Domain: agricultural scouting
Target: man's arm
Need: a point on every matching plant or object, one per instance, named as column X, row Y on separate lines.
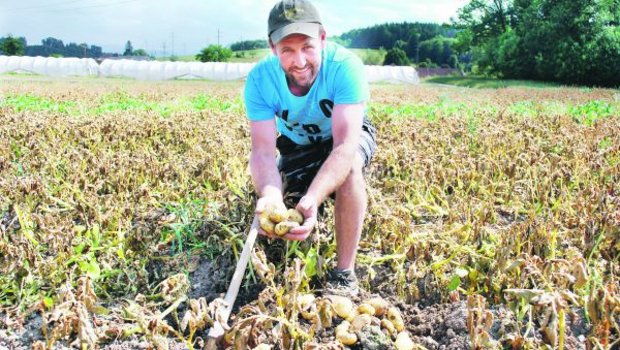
column 267, row 180
column 347, row 120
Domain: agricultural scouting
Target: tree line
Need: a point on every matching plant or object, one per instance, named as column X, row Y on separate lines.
column 53, row 47
column 424, row 44
column 566, row 41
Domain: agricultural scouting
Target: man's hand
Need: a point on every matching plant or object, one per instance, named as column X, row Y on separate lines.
column 308, row 207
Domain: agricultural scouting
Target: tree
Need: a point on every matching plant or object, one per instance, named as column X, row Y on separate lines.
column 568, row 41
column 486, row 19
column 11, row 46
column 396, row 56
column 214, row 53
column 128, row 49
column 53, row 44
column 140, row 52
column 249, row 45
column 437, row 50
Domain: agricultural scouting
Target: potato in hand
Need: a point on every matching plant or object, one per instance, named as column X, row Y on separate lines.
column 277, row 220
column 283, row 227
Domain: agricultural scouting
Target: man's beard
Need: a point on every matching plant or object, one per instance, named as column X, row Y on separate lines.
column 304, row 84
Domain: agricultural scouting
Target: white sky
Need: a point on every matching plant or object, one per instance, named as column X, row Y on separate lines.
column 186, row 26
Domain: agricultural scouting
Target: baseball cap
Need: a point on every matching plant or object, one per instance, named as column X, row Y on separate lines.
column 293, row 17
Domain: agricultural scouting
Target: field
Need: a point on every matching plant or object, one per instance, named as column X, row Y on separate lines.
column 493, row 222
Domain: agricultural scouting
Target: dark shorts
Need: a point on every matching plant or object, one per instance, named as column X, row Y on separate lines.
column 299, row 164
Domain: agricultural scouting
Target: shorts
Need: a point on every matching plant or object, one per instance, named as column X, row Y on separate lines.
column 299, row 164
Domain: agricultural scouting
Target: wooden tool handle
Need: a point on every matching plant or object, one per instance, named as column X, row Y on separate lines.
column 217, row 331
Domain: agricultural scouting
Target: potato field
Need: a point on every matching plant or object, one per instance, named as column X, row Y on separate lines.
column 493, row 222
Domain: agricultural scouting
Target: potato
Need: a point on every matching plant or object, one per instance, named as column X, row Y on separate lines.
column 266, row 225
column 403, row 342
column 294, row 215
column 366, row 309
column 277, row 214
column 344, row 335
column 343, row 306
column 379, row 304
column 283, row 227
column 389, row 327
column 304, row 301
column 359, row 322
column 394, row 316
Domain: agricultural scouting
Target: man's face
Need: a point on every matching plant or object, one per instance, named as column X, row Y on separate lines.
column 300, row 58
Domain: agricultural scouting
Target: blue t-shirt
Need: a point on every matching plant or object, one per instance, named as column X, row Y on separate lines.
column 306, row 119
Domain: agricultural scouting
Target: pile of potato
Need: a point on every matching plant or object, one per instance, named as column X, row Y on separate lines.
column 374, row 310
column 278, row 220
column 356, row 318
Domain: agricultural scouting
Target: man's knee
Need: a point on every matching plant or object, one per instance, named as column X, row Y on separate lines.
column 355, row 178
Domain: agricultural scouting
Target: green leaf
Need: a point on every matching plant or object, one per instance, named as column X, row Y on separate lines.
column 454, row 283
column 311, row 262
column 79, row 248
column 48, row 302
column 91, row 268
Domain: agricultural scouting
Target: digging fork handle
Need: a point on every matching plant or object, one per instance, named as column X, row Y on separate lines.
column 217, row 331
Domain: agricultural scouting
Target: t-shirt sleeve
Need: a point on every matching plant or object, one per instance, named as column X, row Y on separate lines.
column 351, row 83
column 256, row 107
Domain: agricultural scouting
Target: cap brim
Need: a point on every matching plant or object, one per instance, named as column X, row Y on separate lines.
column 308, row 29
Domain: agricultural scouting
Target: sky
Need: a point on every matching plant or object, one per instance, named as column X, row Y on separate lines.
column 183, row 27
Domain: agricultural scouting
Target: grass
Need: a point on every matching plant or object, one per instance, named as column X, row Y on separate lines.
column 488, row 83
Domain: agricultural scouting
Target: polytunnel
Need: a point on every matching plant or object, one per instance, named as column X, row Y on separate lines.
column 155, row 70
column 51, row 66
column 394, row 74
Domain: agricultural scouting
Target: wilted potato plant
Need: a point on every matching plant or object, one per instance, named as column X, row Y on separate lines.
column 110, row 193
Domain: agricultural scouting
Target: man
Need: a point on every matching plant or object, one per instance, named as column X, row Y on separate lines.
column 307, row 100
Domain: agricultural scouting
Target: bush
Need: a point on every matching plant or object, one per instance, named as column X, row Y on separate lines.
column 396, row 56
column 214, row 53
column 372, row 57
column 11, row 46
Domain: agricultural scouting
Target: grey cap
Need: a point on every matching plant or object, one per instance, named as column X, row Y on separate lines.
column 293, row 17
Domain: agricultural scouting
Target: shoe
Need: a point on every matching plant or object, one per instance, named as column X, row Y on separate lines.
column 341, row 282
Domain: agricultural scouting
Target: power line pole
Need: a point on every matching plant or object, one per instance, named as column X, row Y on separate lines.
column 164, row 45
column 172, row 48
column 218, row 36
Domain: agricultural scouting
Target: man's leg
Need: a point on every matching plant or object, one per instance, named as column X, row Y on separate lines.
column 350, row 209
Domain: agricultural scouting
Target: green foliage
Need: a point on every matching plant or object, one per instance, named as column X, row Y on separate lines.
column 340, row 41
column 386, row 35
column 52, row 47
column 396, row 56
column 485, row 19
column 488, row 83
column 249, row 45
column 370, row 56
column 453, row 61
column 140, row 52
column 11, row 46
column 437, row 50
column 214, row 53
column 405, row 36
column 128, row 49
column 572, row 42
